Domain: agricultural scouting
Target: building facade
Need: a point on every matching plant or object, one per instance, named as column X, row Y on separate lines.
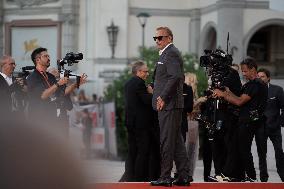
column 255, row 27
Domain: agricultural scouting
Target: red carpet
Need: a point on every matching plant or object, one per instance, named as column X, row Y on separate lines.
column 192, row 186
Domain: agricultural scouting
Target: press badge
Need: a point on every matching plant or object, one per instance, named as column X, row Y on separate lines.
column 58, row 112
column 52, row 99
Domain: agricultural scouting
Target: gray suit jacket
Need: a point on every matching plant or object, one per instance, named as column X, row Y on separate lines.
column 169, row 79
column 275, row 103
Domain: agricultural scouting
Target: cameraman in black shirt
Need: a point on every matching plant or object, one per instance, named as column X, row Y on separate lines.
column 44, row 89
column 252, row 103
column 224, row 137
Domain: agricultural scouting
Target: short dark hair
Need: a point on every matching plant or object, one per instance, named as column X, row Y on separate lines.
column 137, row 66
column 266, row 71
column 36, row 52
column 249, row 62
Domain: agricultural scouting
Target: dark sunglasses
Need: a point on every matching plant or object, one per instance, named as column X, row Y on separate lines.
column 159, row 38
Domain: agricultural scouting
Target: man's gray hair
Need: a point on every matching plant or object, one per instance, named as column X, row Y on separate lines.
column 136, row 66
column 3, row 59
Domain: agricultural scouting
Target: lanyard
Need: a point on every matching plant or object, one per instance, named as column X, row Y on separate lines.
column 45, row 78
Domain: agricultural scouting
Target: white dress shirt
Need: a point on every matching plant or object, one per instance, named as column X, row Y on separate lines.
column 7, row 78
column 161, row 51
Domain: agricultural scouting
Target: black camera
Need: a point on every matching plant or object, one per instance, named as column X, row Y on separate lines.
column 24, row 73
column 217, row 58
column 217, row 63
column 70, row 58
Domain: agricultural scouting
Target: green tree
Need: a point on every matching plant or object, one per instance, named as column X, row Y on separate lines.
column 115, row 90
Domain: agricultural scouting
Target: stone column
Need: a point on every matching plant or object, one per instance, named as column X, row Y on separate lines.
column 194, row 31
column 69, row 19
column 230, row 19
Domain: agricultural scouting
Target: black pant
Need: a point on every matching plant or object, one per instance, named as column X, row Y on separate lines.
column 206, row 150
column 276, row 139
column 232, row 163
column 261, row 144
column 219, row 151
column 155, row 157
column 245, row 138
column 136, row 165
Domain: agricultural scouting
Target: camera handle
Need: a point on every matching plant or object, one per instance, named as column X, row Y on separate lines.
column 78, row 78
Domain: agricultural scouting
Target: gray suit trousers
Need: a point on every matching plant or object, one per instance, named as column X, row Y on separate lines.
column 172, row 145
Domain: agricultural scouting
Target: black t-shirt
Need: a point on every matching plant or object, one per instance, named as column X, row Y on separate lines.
column 37, row 106
column 231, row 80
column 257, row 90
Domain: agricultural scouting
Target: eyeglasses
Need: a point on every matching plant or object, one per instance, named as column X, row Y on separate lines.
column 159, row 37
column 45, row 55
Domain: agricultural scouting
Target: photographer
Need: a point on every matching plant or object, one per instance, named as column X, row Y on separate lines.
column 10, row 87
column 220, row 117
column 44, row 90
column 252, row 103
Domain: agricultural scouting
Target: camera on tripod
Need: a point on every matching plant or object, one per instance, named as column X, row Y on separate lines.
column 69, row 59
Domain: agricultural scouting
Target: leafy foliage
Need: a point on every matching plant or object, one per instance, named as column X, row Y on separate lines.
column 115, row 90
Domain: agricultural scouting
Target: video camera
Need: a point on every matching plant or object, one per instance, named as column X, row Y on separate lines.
column 217, row 63
column 218, row 67
column 25, row 73
column 69, row 59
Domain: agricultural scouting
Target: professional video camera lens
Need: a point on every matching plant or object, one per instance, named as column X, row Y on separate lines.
column 73, row 56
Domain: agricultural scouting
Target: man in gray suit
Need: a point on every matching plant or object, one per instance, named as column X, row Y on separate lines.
column 274, row 113
column 168, row 101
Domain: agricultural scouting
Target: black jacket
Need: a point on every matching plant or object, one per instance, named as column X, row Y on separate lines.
column 138, row 109
column 37, row 106
column 275, row 103
column 188, row 106
column 5, row 96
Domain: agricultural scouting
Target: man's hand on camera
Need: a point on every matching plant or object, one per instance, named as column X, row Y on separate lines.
column 83, row 79
column 20, row 81
column 218, row 93
column 63, row 81
column 201, row 100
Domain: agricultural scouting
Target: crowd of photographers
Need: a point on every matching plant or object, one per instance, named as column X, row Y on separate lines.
column 234, row 114
column 38, row 96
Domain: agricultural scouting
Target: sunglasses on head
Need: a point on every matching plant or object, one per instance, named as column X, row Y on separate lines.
column 159, row 38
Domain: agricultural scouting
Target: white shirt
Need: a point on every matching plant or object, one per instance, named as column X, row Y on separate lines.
column 7, row 78
column 161, row 51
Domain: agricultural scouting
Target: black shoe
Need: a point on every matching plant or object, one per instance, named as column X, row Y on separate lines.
column 190, row 179
column 162, row 182
column 248, row 179
column 263, row 179
column 181, row 182
column 175, row 176
column 206, row 179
